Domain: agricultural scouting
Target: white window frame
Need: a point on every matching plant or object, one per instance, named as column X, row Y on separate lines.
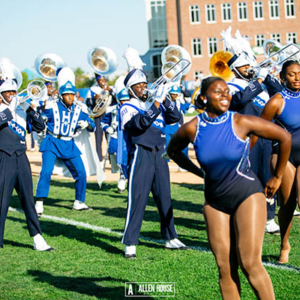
column 238, row 11
column 294, row 34
column 258, row 37
column 193, row 9
column 291, row 3
column 211, row 7
column 257, row 5
column 197, row 75
column 197, row 42
column 274, row 3
column 276, row 37
column 223, row 8
column 213, row 41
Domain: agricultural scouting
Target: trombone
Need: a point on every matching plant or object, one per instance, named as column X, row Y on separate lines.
column 172, row 73
column 35, row 90
column 275, row 60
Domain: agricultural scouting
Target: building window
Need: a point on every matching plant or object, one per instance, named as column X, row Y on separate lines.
column 258, row 10
column 198, row 75
column 196, row 46
column 259, row 40
column 276, row 37
column 194, row 14
column 226, row 12
column 212, row 45
column 157, row 25
column 274, row 9
column 210, row 13
column 292, row 37
column 290, row 8
column 242, row 11
column 156, row 65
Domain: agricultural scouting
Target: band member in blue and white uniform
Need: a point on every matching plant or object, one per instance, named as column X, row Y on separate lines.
column 174, row 93
column 249, row 95
column 110, row 124
column 144, row 121
column 234, row 208
column 15, row 169
column 64, row 118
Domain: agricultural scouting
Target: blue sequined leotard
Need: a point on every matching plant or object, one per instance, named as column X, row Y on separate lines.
column 224, row 158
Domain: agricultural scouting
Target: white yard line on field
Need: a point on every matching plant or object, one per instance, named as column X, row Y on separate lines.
column 118, row 233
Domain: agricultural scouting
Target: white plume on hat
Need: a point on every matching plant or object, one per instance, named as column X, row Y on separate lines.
column 8, row 76
column 66, row 81
column 133, row 59
column 240, row 47
column 65, row 74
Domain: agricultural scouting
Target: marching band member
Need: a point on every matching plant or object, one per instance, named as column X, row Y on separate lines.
column 143, row 120
column 249, row 96
column 91, row 101
column 234, row 208
column 64, row 118
column 15, row 168
column 110, row 124
column 174, row 93
column 284, row 109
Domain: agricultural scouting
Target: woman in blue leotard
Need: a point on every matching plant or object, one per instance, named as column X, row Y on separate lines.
column 235, row 208
column 284, row 108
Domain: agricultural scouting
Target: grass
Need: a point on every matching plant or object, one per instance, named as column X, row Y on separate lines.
column 88, row 264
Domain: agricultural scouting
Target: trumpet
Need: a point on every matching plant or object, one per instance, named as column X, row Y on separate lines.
column 35, row 90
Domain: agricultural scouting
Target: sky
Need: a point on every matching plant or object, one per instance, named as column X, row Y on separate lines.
column 70, row 28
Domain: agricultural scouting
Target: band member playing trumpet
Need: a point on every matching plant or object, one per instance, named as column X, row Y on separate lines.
column 64, row 118
column 249, row 95
column 15, row 168
column 143, row 121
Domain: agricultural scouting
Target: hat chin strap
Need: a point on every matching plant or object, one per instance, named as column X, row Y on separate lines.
column 3, row 100
column 133, row 94
column 240, row 75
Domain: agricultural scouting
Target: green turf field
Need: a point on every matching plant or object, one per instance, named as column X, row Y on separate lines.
column 88, row 263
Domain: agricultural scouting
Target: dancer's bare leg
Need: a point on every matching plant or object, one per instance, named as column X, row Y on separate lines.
column 249, row 220
column 221, row 236
column 287, row 198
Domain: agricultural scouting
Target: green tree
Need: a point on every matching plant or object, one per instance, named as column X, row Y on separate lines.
column 25, row 81
column 82, row 79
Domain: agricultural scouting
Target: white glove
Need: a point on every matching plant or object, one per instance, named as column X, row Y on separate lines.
column 162, row 92
column 25, row 105
column 83, row 124
column 13, row 104
column 191, row 110
column 263, row 73
column 110, row 130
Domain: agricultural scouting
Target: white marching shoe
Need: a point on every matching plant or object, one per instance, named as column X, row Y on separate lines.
column 121, row 184
column 130, row 251
column 40, row 244
column 175, row 244
column 39, row 207
column 79, row 205
column 296, row 213
column 272, row 227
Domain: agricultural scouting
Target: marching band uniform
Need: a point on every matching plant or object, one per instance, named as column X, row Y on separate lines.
column 172, row 128
column 144, row 125
column 15, row 169
column 249, row 97
column 91, row 102
column 62, row 123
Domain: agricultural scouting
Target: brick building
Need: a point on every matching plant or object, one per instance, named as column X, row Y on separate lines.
column 196, row 25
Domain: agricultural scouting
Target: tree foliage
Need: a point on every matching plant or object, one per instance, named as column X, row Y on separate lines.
column 82, row 80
